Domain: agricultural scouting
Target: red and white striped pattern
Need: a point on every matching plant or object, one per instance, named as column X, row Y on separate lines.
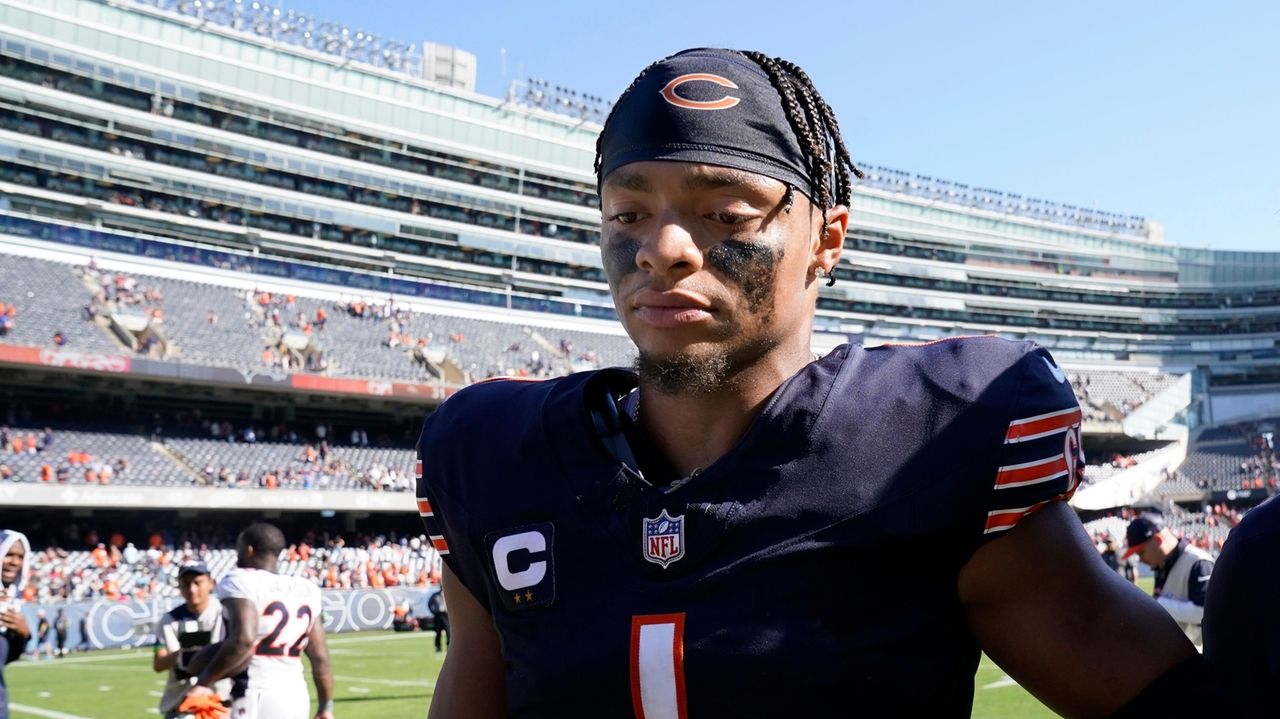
column 1063, row 461
column 999, row 520
column 1028, row 473
column 1042, row 425
column 438, row 541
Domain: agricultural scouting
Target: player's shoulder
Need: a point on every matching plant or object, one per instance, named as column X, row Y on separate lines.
column 511, row 395
column 969, row 354
column 237, row 583
column 497, row 411
column 985, row 368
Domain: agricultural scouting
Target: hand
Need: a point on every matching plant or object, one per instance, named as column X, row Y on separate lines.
column 200, row 691
column 15, row 622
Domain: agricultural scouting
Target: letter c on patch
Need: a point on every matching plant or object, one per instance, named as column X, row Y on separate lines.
column 530, row 542
column 669, row 92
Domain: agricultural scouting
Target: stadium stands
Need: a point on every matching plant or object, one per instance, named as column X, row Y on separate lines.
column 118, row 570
column 217, row 325
column 1095, row 473
column 47, row 298
column 85, row 457
column 1232, row 457
column 290, row 466
column 40, row 454
column 1109, row 395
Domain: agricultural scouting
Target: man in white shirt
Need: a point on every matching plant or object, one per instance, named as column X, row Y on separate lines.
column 1182, row 571
column 270, row 621
column 183, row 632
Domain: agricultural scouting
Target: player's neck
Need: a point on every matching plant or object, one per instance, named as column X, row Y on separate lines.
column 693, row 430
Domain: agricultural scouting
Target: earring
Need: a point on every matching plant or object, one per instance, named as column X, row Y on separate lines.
column 823, row 272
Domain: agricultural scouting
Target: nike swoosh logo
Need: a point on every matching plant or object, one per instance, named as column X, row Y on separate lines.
column 1054, row 369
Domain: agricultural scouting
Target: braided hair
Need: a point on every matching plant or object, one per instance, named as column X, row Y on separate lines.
column 815, row 126
column 609, row 117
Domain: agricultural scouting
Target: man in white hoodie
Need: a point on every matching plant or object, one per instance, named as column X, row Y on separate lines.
column 14, row 632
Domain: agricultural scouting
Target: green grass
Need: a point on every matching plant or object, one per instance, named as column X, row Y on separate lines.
column 377, row 675
column 995, row 696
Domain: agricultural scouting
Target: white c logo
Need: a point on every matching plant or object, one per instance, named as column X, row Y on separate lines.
column 531, row 542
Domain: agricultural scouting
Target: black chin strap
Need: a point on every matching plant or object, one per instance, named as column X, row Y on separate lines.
column 610, row 427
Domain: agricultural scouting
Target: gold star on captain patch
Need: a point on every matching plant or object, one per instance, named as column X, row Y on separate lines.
column 517, row 598
column 528, row 596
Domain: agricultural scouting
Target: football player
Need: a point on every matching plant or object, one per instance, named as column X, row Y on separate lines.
column 1241, row 627
column 723, row 531
column 271, row 620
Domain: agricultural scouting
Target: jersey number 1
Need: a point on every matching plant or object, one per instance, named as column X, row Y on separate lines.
column 268, row 647
column 657, row 666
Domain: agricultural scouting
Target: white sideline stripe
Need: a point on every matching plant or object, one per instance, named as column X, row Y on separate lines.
column 359, row 690
column 387, row 682
column 1001, row 683
column 76, row 660
column 382, row 638
column 138, row 653
column 37, row 711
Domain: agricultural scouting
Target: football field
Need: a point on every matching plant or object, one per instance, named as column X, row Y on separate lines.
column 377, row 675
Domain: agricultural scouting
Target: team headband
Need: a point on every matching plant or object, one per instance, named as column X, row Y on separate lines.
column 708, row 106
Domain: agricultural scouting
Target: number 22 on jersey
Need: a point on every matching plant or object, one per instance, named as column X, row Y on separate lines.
column 290, row 633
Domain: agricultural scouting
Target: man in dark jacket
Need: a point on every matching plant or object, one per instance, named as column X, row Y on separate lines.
column 14, row 632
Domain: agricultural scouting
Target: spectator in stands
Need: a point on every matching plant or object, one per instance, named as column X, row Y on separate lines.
column 1182, row 571
column 6, row 318
column 1241, row 625
column 59, row 339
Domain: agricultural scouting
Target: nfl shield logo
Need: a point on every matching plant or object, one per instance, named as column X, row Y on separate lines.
column 664, row 538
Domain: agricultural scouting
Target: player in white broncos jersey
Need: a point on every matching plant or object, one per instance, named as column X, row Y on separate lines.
column 271, row 620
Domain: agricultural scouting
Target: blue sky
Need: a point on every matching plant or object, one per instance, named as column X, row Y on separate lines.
column 1166, row 110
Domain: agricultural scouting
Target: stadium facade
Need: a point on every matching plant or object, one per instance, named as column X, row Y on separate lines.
column 233, row 143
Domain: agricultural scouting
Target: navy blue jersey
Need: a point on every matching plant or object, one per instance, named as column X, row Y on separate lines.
column 1241, row 626
column 810, row 571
